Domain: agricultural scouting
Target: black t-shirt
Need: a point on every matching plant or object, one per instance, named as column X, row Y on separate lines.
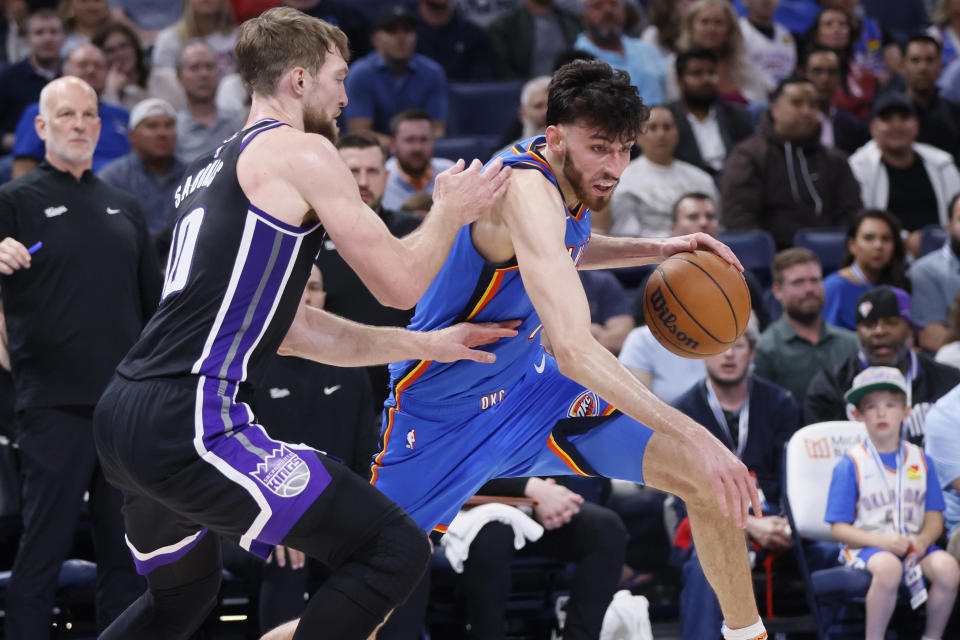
column 912, row 198
column 348, row 297
column 319, row 405
column 76, row 311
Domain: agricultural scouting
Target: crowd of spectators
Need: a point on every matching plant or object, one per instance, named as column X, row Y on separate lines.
column 767, row 116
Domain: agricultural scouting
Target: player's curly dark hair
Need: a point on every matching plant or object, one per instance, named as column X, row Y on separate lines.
column 592, row 92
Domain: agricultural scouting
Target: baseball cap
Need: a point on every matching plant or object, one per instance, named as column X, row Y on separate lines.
column 394, row 14
column 883, row 302
column 150, row 107
column 876, row 379
column 892, row 101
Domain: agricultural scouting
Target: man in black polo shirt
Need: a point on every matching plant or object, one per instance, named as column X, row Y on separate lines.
column 74, row 306
column 23, row 81
column 347, row 296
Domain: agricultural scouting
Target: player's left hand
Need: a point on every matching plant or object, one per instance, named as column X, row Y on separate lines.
column 297, row 559
column 700, row 240
column 457, row 342
column 470, row 190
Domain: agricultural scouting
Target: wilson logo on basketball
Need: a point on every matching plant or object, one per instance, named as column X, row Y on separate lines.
column 584, row 405
column 669, row 319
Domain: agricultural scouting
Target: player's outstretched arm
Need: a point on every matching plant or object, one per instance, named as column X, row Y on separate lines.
column 609, row 252
column 530, row 211
column 321, row 336
column 397, row 271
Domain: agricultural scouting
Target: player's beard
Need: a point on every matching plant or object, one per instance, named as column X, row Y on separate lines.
column 316, row 121
column 581, row 188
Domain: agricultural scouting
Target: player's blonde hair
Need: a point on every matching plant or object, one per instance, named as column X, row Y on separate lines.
column 278, row 40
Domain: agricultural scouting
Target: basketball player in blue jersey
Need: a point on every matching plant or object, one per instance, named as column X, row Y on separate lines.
column 174, row 429
column 449, row 428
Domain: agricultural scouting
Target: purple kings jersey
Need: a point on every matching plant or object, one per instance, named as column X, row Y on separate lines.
column 234, row 279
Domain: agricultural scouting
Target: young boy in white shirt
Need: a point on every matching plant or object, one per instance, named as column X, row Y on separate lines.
column 885, row 503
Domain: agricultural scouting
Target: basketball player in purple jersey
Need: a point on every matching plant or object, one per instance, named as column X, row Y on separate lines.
column 174, row 429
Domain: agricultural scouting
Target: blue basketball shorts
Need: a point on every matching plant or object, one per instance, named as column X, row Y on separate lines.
column 434, row 456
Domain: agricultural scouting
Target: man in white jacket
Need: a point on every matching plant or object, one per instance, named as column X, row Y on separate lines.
column 913, row 180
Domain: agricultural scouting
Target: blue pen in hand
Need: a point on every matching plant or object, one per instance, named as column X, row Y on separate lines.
column 32, row 250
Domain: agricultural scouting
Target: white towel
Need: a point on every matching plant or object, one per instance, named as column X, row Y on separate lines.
column 467, row 524
column 627, row 618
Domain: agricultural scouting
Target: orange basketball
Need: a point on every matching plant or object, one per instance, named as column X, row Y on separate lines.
column 696, row 304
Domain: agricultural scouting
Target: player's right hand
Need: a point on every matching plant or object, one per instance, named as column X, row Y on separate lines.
column 732, row 484
column 470, row 191
column 13, row 256
column 457, row 342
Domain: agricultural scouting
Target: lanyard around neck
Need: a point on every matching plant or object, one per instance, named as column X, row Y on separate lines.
column 717, row 410
column 858, row 273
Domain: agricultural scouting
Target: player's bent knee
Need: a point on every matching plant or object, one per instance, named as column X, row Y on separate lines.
column 398, row 555
column 179, row 610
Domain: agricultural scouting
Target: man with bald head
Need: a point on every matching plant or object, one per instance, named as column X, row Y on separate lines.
column 88, row 63
column 75, row 301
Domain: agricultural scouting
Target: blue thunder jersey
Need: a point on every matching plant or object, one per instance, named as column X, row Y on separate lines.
column 468, row 288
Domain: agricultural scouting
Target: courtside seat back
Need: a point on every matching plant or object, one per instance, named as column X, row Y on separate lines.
column 812, row 452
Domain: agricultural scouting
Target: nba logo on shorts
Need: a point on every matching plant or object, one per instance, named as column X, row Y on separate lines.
column 411, row 438
column 584, row 405
column 283, row 472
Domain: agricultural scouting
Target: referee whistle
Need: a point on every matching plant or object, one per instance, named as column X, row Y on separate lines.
column 32, row 250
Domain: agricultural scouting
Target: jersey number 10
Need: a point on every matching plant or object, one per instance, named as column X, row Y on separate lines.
column 181, row 252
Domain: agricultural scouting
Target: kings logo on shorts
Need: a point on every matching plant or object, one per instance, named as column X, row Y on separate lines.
column 283, row 472
column 584, row 405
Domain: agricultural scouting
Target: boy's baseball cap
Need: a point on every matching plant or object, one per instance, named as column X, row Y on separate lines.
column 876, row 379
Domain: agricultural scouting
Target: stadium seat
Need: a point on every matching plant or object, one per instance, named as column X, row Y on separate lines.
column 829, row 245
column 755, row 249
column 482, row 108
column 466, row 147
column 835, row 595
column 932, row 238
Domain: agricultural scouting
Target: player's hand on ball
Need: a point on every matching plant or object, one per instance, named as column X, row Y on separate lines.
column 472, row 190
column 457, row 342
column 679, row 244
column 732, row 484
